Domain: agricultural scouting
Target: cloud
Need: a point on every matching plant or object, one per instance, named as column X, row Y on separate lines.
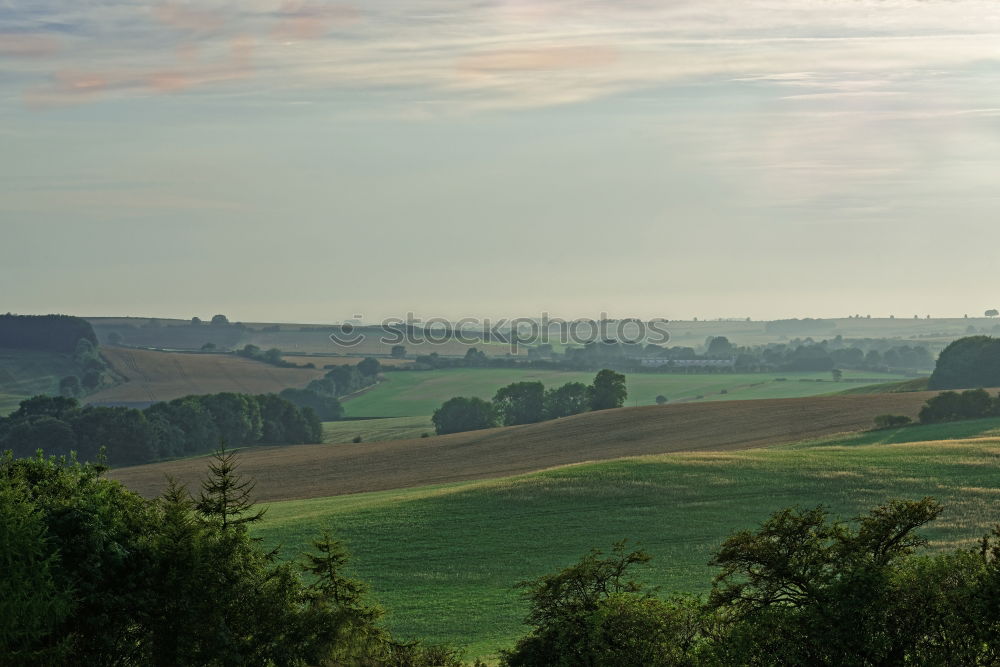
column 471, row 54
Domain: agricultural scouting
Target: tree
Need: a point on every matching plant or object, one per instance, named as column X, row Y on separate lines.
column 463, row 414
column 91, row 380
column 398, row 352
column 272, row 356
column 837, row 374
column 562, row 607
column 69, row 386
column 520, row 403
column 662, row 400
column 326, row 407
column 570, row 399
column 220, row 320
column 719, row 347
column 369, row 367
column 225, row 495
column 992, row 312
column 208, row 347
column 608, row 390
column 973, row 361
column 196, row 321
column 804, row 589
column 891, row 421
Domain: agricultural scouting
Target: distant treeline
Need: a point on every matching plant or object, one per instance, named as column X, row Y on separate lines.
column 530, row 402
column 798, row 355
column 51, row 333
column 182, row 427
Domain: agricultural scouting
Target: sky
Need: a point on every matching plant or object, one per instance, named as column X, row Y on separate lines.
column 278, row 160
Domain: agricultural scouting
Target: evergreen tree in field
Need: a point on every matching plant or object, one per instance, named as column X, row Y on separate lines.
column 225, row 495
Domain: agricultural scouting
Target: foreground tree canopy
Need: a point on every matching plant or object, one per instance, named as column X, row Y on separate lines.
column 93, row 574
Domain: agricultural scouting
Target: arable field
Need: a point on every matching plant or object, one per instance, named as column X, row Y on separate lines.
column 311, row 471
column 412, row 393
column 376, row 430
column 445, row 559
column 162, row 376
column 26, row 373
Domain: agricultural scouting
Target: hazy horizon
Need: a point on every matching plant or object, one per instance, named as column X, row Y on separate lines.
column 278, row 160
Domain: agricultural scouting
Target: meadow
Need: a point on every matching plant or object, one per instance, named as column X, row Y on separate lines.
column 416, row 393
column 376, row 430
column 445, row 559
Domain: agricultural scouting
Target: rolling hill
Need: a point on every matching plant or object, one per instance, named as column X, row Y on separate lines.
column 445, row 559
column 162, row 376
column 313, row 471
column 26, row 373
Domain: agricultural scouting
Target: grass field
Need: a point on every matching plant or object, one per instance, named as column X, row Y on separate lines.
column 26, row 373
column 414, row 393
column 162, row 376
column 375, row 430
column 444, row 559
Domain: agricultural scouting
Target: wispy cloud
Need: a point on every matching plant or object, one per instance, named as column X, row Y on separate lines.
column 507, row 53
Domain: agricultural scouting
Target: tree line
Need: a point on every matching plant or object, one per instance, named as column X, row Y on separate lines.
column 50, row 333
column 948, row 406
column 94, row 574
column 530, row 402
column 182, row 427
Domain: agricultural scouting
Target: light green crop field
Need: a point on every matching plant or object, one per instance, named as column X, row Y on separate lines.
column 445, row 559
column 376, row 430
column 413, row 393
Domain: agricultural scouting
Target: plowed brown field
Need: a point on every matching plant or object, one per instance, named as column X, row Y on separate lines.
column 162, row 376
column 312, row 471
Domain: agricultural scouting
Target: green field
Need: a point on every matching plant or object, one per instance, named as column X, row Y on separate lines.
column 26, row 373
column 415, row 393
column 374, row 430
column 445, row 559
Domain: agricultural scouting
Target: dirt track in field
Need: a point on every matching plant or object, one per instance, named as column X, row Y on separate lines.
column 312, row 471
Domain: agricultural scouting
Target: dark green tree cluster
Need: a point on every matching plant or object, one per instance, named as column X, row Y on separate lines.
column 127, row 436
column 949, row 406
column 326, row 407
column 51, row 333
column 346, row 379
column 96, row 575
column 803, row 589
column 529, row 403
column 968, row 362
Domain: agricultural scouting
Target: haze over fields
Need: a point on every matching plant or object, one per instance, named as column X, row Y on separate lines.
column 313, row 161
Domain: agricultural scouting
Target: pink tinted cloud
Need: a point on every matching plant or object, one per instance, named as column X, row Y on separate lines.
column 545, row 58
column 28, row 45
column 70, row 87
column 301, row 20
column 183, row 17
